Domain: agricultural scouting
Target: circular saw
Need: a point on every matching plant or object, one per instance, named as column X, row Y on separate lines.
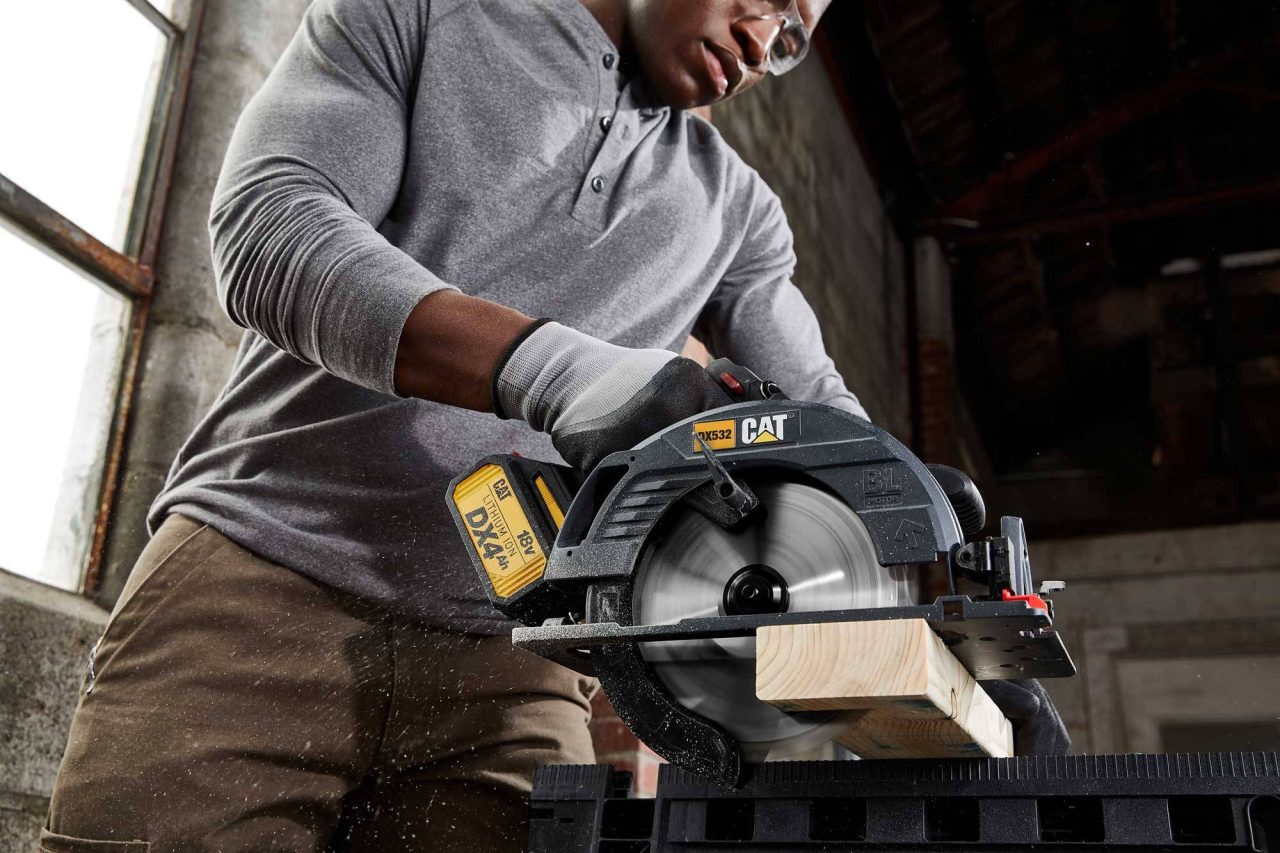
column 808, row 552
column 655, row 571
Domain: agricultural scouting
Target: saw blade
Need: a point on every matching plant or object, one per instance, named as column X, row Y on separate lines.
column 825, row 556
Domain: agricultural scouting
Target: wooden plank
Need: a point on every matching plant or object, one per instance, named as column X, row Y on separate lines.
column 919, row 701
column 884, row 734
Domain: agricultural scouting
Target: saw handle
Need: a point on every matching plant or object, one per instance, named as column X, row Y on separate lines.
column 742, row 384
column 964, row 497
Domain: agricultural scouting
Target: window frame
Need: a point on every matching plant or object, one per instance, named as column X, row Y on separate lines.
column 130, row 272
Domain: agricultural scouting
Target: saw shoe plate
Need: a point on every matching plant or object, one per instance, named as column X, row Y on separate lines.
column 825, row 556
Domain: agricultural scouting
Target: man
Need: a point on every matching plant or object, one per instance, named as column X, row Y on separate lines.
column 302, row 656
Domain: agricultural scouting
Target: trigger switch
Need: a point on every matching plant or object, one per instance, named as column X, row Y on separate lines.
column 731, row 384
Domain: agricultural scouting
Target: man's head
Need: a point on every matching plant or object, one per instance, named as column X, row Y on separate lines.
column 695, row 54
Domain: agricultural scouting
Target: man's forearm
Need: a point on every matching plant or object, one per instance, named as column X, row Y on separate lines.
column 450, row 346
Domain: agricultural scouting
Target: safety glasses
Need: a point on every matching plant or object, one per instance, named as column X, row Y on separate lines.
column 790, row 40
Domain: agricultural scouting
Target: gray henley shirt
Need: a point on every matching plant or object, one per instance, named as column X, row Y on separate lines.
column 494, row 146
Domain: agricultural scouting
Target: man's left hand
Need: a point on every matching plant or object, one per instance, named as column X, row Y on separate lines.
column 1037, row 726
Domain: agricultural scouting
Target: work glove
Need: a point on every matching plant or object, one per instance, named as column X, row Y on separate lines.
column 1037, row 727
column 595, row 398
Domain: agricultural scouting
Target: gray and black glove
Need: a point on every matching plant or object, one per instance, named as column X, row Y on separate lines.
column 1037, row 727
column 595, row 398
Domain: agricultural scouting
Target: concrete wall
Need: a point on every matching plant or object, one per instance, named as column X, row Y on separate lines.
column 45, row 637
column 1176, row 637
column 793, row 130
column 190, row 342
column 45, row 634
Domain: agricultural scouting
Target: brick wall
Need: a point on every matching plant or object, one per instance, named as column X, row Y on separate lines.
column 616, row 745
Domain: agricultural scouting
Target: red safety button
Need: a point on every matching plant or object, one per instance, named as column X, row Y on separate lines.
column 1032, row 600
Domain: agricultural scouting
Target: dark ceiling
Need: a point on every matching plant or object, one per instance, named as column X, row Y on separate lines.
column 1066, row 153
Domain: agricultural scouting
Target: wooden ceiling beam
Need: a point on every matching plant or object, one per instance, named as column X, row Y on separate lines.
column 967, row 32
column 1115, row 212
column 1085, row 134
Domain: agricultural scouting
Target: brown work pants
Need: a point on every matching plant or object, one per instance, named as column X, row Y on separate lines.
column 236, row 705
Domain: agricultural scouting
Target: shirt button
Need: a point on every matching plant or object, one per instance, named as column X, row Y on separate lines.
column 609, row 60
column 605, row 123
column 597, row 184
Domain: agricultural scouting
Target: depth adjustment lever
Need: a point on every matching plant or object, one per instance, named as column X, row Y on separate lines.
column 724, row 500
column 741, row 499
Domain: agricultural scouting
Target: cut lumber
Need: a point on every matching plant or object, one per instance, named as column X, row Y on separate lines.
column 879, row 734
column 917, row 700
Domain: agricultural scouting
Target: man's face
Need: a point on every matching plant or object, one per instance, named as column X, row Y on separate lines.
column 697, row 53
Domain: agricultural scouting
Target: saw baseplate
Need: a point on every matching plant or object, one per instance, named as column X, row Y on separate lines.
column 995, row 640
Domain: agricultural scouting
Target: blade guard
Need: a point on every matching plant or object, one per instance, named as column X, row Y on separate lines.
column 907, row 514
column 650, row 711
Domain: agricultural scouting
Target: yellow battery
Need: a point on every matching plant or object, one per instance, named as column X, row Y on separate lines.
column 499, row 529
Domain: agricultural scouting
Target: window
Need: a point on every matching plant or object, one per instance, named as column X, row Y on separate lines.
column 93, row 91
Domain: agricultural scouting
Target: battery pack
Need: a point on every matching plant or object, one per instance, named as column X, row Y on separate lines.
column 510, row 510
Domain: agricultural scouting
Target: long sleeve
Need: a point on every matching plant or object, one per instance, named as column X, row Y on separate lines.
column 758, row 317
column 314, row 166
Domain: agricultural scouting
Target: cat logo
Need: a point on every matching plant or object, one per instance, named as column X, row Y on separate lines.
column 727, row 434
column 766, row 429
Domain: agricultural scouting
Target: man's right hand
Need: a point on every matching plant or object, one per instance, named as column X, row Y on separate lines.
column 595, row 398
